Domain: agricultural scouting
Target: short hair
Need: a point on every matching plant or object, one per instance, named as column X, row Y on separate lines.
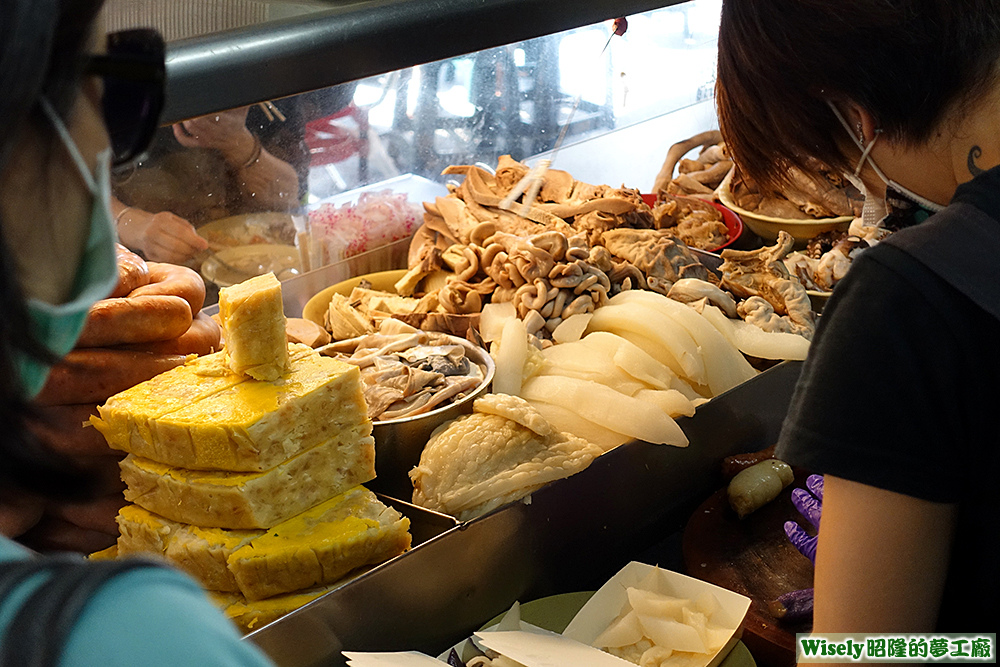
column 907, row 62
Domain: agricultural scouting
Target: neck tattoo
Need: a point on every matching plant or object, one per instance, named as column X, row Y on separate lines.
column 974, row 153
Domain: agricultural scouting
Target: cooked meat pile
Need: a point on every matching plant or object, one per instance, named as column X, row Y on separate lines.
column 407, row 372
column 563, row 253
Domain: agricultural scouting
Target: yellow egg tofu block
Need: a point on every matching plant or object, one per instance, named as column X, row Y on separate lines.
column 253, row 321
column 320, row 546
column 249, row 616
column 201, row 552
column 214, row 499
column 243, row 426
column 124, row 416
column 315, row 548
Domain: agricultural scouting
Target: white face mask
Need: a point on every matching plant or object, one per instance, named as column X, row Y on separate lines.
column 876, row 209
column 58, row 326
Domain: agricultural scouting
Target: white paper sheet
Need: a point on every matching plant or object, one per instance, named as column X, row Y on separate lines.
column 401, row 659
column 532, row 649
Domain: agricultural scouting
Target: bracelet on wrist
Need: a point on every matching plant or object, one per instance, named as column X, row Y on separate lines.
column 254, row 154
column 122, row 212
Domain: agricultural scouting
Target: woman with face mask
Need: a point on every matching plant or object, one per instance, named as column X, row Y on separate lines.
column 895, row 404
column 57, row 258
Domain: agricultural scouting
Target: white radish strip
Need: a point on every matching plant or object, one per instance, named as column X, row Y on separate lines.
column 493, row 318
column 725, row 367
column 606, row 407
column 571, row 329
column 652, row 348
column 572, row 423
column 613, row 378
column 722, row 324
column 759, row 343
column 510, row 358
column 693, row 394
column 671, row 401
column 577, row 356
column 587, row 363
column 630, row 358
column 659, row 328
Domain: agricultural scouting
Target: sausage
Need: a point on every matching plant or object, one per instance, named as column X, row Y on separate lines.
column 135, row 319
column 133, row 272
column 173, row 280
column 94, row 375
column 204, row 336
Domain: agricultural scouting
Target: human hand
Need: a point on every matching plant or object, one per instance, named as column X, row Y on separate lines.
column 85, row 526
column 225, row 132
column 135, row 346
column 161, row 237
column 809, row 503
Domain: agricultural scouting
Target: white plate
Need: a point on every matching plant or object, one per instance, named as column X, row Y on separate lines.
column 255, row 260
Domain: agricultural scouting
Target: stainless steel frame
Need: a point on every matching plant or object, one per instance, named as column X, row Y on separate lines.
column 353, row 40
column 571, row 535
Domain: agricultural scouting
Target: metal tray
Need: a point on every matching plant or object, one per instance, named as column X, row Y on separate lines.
column 571, row 535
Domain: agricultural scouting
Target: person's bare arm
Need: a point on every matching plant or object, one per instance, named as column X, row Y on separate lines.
column 266, row 182
column 881, row 561
column 160, row 237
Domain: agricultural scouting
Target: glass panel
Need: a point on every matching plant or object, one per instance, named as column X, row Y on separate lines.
column 343, row 170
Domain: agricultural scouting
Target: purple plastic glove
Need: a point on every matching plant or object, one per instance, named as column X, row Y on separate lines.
column 809, row 503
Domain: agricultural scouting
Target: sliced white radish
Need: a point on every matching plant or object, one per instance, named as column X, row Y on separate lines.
column 571, row 329
column 671, row 401
column 657, row 327
column 722, row 324
column 765, row 345
column 510, row 358
column 493, row 318
column 569, row 422
column 630, row 358
column 606, row 407
column 725, row 367
column 614, row 378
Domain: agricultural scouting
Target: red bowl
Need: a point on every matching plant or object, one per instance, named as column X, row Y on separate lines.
column 733, row 222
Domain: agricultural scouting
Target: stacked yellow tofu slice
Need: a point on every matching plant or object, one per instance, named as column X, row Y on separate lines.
column 244, row 466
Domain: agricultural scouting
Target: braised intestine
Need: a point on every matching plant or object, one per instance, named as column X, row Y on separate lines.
column 575, row 246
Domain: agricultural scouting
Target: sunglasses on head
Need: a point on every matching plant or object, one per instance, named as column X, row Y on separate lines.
column 133, row 72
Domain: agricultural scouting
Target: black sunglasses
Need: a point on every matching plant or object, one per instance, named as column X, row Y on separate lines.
column 133, row 71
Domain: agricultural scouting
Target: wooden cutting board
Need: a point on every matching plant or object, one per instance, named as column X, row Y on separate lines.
column 752, row 556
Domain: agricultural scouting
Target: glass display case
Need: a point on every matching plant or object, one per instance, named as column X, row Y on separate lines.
column 295, row 183
column 304, row 138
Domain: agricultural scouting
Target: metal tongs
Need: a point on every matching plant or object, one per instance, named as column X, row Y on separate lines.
column 531, row 184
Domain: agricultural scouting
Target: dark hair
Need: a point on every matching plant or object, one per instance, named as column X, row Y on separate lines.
column 907, row 62
column 41, row 47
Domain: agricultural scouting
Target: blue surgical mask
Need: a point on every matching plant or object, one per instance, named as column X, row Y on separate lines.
column 903, row 206
column 57, row 326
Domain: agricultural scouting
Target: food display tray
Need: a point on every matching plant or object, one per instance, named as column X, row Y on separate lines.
column 571, row 535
